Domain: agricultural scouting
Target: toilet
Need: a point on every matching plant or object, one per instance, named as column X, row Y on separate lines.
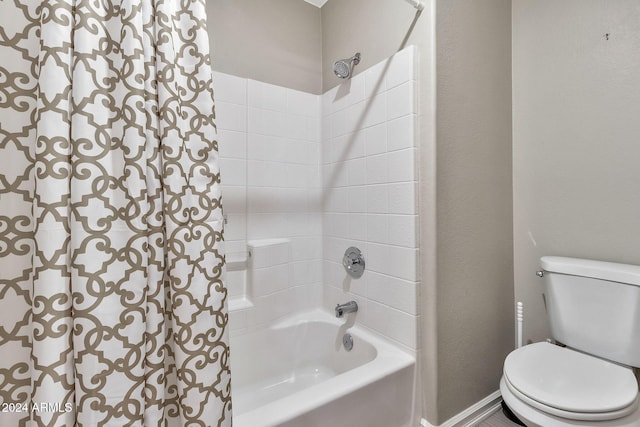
column 594, row 312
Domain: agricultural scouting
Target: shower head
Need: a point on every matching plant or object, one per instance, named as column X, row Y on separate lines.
column 343, row 67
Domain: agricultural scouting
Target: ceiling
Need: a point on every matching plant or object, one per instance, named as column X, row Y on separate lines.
column 318, row 3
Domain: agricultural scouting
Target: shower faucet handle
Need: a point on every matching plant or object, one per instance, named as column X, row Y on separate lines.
column 353, row 262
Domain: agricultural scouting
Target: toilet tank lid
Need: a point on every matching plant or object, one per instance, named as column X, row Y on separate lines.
column 612, row 271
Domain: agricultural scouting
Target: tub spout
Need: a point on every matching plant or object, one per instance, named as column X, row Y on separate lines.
column 350, row 307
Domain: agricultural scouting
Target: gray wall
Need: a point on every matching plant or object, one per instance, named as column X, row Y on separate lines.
column 473, row 200
column 576, row 138
column 275, row 41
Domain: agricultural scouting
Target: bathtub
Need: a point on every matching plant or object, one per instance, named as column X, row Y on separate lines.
column 298, row 374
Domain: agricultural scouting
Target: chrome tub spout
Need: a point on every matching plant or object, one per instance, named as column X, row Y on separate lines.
column 350, row 307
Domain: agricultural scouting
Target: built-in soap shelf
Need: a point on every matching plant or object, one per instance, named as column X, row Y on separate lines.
column 237, row 261
column 268, row 252
column 252, row 271
column 236, row 304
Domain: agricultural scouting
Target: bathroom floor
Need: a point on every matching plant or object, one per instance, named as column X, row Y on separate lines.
column 497, row 420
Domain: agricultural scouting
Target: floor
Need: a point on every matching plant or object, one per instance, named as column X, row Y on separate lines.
column 497, row 420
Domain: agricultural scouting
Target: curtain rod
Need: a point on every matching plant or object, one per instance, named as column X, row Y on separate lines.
column 418, row 4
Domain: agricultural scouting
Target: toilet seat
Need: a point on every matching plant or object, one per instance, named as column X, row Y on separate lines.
column 570, row 384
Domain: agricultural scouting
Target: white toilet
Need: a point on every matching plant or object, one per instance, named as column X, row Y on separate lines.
column 593, row 309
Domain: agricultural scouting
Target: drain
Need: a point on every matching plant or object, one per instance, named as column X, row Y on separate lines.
column 347, row 341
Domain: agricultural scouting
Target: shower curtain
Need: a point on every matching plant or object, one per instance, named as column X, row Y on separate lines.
column 112, row 306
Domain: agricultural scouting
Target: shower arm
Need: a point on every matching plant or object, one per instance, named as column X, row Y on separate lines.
column 418, row 4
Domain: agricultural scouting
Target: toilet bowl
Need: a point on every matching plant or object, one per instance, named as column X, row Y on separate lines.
column 550, row 386
column 593, row 307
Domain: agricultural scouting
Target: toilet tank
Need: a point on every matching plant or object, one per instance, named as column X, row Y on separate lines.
column 594, row 306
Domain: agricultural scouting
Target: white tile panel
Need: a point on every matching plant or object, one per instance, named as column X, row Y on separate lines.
column 232, row 144
column 231, row 116
column 350, row 154
column 401, row 68
column 267, row 96
column 375, row 139
column 372, row 112
column 234, row 199
column 357, row 199
column 377, row 169
column 303, row 103
column 356, row 172
column 268, row 253
column 401, row 133
column 401, row 101
column 228, row 88
column 403, row 230
column 402, row 263
column 384, row 125
column 393, row 323
column 377, row 199
column 401, row 165
column 378, row 228
column 236, row 227
column 233, row 171
column 375, row 79
column 402, row 198
column 347, row 94
column 265, row 281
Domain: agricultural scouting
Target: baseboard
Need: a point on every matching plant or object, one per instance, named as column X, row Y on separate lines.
column 474, row 414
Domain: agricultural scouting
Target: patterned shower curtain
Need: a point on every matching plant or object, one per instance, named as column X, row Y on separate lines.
column 112, row 307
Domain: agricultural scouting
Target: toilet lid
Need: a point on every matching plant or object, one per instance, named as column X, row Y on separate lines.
column 570, row 381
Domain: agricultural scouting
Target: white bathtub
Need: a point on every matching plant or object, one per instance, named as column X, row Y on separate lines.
column 298, row 374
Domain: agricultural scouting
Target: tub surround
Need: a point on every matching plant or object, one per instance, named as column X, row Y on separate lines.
column 309, row 378
column 269, row 142
column 306, row 177
column 370, row 198
column 325, row 173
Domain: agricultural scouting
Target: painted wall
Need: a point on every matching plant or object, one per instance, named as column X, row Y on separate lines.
column 576, row 102
column 275, row 41
column 474, row 200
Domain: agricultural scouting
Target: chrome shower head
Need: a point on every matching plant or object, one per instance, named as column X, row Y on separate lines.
column 344, row 67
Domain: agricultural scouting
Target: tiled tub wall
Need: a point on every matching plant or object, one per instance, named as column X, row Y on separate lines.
column 269, row 143
column 357, row 187
column 370, row 196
